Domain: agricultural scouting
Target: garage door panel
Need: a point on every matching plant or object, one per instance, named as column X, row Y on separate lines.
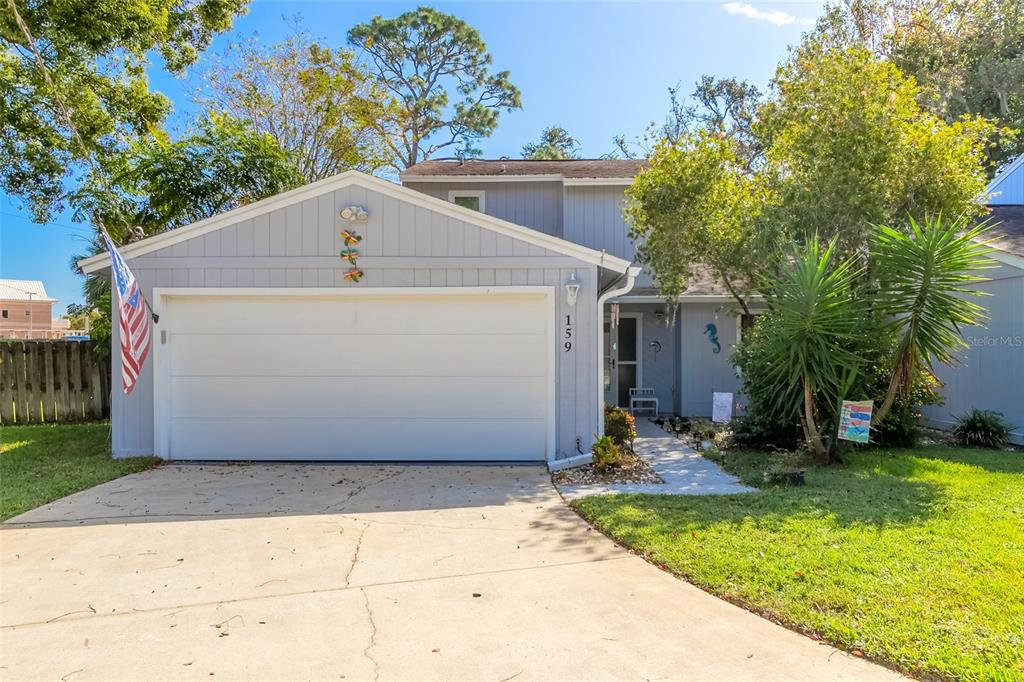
column 357, row 439
column 373, row 314
column 366, row 397
column 356, row 355
column 451, row 375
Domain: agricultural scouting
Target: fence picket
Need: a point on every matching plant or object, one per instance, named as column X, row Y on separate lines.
column 52, row 381
column 6, row 384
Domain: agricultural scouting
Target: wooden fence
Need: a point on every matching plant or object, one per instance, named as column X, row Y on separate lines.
column 52, row 381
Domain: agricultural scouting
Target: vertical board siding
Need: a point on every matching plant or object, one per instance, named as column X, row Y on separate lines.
column 593, row 217
column 990, row 373
column 312, row 228
column 1008, row 187
column 537, row 205
column 702, row 371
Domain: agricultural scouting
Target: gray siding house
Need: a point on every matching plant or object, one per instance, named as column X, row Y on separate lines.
column 990, row 375
column 454, row 334
column 581, row 201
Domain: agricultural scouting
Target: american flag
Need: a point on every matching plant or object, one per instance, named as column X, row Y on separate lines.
column 132, row 317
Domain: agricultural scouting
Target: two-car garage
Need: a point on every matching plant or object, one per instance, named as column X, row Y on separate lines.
column 314, row 374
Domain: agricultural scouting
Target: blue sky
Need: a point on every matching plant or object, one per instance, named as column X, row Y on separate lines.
column 597, row 69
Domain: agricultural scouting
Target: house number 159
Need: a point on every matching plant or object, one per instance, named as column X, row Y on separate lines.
column 567, row 344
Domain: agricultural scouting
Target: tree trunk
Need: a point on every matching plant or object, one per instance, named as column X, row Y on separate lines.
column 810, row 427
column 890, row 398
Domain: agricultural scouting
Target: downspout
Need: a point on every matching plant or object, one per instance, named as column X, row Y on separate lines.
column 611, row 291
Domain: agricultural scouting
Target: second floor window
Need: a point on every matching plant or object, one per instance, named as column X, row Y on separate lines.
column 467, row 198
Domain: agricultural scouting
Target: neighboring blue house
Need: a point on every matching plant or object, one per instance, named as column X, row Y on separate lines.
column 990, row 375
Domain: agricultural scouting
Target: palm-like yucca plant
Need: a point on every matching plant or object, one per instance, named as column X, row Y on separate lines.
column 815, row 319
column 924, row 276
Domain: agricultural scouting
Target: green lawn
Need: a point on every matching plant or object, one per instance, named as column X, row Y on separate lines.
column 915, row 557
column 42, row 463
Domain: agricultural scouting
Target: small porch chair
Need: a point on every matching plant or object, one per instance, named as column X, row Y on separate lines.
column 643, row 399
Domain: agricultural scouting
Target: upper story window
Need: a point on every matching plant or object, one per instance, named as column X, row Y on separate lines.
column 468, row 198
column 5, row 314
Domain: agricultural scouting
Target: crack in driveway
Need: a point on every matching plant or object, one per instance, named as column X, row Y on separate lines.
column 373, row 635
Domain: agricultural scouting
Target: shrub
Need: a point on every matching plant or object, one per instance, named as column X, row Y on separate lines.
column 981, row 429
column 758, row 433
column 620, row 425
column 607, row 453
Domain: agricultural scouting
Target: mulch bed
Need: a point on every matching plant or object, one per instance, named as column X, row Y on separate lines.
column 634, row 470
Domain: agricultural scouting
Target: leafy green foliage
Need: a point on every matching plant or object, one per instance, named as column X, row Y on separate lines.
column 924, row 278
column 163, row 184
column 981, row 429
column 607, row 453
column 724, row 106
column 97, row 53
column 426, row 59
column 696, row 205
column 848, row 146
column 221, row 165
column 325, row 110
column 880, row 555
column 813, row 320
column 45, row 462
column 555, row 143
column 620, row 425
column 967, row 57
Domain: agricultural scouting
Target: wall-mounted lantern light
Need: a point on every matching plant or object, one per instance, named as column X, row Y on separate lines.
column 572, row 289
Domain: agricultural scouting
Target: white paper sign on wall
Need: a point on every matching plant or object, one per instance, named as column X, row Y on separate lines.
column 721, row 407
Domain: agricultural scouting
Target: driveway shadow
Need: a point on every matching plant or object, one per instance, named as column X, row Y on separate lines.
column 219, row 491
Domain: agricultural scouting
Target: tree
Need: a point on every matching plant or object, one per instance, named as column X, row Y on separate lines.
column 97, row 54
column 320, row 105
column 555, row 143
column 425, row 58
column 967, row 57
column 847, row 145
column 924, row 292
column 163, row 184
column 698, row 206
column 723, row 105
column 814, row 320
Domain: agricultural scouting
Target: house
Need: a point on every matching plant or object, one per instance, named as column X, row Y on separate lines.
column 581, row 201
column 990, row 375
column 487, row 315
column 26, row 311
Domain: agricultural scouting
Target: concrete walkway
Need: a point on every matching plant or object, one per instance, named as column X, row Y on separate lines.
column 684, row 470
column 316, row 572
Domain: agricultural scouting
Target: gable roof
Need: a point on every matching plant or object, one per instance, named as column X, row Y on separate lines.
column 564, row 169
column 482, row 220
column 1008, row 230
column 20, row 290
column 1009, row 180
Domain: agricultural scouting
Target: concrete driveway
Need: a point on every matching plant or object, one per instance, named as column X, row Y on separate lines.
column 360, row 572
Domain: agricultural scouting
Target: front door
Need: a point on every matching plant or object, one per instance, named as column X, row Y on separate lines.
column 622, row 344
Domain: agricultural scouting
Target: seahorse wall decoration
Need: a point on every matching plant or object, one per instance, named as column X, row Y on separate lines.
column 712, row 332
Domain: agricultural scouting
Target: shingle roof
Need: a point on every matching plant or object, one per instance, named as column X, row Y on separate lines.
column 1008, row 228
column 569, row 168
column 19, row 289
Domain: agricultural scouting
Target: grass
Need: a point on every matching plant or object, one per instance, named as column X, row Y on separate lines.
column 912, row 557
column 45, row 462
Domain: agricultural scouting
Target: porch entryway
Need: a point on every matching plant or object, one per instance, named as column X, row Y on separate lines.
column 623, row 359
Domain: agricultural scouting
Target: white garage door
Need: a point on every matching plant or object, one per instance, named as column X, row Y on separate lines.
column 373, row 376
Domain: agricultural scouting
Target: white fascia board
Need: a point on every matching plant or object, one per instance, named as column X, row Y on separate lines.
column 165, row 239
column 683, row 298
column 598, row 182
column 480, row 178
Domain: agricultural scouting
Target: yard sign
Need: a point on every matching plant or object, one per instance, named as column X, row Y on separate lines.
column 855, row 420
